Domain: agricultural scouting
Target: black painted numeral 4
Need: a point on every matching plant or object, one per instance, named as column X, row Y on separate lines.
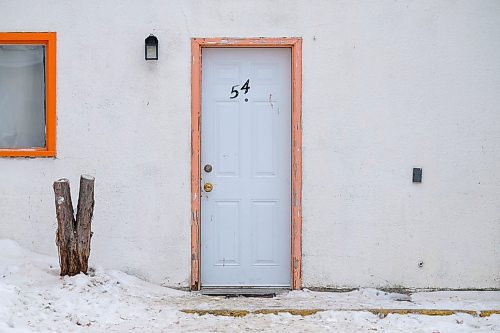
column 246, row 86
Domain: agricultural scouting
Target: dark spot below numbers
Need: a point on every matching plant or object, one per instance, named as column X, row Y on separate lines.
column 246, row 99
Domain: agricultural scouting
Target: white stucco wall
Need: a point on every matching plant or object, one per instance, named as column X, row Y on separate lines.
column 387, row 86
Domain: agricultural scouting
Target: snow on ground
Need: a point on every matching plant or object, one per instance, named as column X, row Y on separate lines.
column 34, row 298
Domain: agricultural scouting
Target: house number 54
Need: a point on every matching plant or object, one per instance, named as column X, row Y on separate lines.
column 245, row 87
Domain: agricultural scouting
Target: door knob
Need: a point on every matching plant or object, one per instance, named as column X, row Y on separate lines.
column 208, row 187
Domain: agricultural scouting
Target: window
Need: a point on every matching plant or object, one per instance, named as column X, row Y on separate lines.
column 28, row 94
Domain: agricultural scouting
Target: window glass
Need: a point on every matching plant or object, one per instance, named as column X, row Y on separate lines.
column 22, row 96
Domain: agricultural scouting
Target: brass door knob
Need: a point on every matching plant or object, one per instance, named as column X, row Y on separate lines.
column 208, row 187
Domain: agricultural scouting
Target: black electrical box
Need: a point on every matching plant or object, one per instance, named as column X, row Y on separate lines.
column 417, row 175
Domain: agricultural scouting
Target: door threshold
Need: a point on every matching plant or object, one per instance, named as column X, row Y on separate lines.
column 266, row 292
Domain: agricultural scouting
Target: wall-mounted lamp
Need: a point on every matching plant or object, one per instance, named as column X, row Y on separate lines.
column 151, row 48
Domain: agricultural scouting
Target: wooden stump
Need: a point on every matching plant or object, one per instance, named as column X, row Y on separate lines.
column 65, row 227
column 73, row 235
column 84, row 214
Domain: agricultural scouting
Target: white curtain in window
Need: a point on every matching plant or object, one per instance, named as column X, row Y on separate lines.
column 22, row 96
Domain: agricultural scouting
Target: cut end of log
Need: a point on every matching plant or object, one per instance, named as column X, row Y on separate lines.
column 88, row 177
column 62, row 180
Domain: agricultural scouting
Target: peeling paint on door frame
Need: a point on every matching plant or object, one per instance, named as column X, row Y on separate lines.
column 295, row 44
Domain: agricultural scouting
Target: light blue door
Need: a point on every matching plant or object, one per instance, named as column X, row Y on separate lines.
column 246, row 157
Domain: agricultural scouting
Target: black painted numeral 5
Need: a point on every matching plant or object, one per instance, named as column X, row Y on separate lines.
column 235, row 92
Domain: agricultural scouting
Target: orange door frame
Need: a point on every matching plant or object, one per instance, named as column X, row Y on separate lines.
column 295, row 44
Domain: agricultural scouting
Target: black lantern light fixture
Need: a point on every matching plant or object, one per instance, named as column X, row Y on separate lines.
column 151, row 48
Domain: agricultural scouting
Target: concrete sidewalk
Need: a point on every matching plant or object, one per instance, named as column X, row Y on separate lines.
column 305, row 302
column 382, row 313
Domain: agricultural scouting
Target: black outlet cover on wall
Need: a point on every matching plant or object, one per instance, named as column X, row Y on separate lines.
column 417, row 175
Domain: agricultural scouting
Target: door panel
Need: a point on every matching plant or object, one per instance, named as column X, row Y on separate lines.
column 227, row 232
column 227, row 130
column 265, row 122
column 264, row 218
column 245, row 138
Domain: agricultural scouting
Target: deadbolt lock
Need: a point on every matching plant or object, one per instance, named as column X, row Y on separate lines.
column 208, row 187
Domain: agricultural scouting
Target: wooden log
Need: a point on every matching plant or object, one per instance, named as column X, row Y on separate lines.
column 65, row 228
column 73, row 235
column 84, row 213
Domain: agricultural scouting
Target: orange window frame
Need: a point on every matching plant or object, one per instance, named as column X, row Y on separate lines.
column 48, row 39
column 295, row 45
